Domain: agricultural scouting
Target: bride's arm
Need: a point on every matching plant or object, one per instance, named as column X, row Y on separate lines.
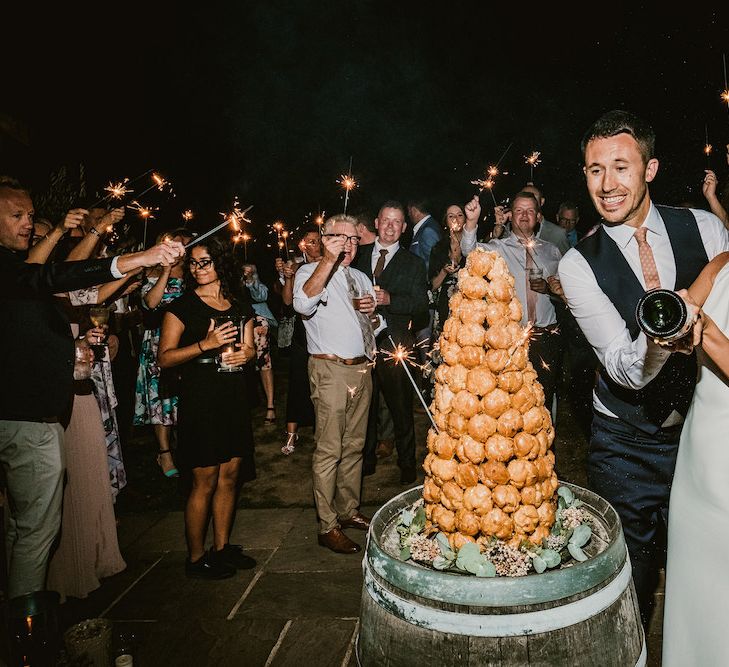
column 713, row 340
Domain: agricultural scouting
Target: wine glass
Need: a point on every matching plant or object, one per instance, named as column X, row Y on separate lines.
column 99, row 316
column 229, row 347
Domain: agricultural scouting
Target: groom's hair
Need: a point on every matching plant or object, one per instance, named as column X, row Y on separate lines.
column 622, row 122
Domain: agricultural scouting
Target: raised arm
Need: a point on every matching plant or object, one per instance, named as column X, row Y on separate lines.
column 88, row 243
column 40, row 252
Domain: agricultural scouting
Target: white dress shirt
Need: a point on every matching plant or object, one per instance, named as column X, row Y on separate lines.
column 546, row 256
column 630, row 363
column 329, row 318
column 391, row 250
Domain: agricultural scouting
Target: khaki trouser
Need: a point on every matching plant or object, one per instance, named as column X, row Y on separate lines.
column 32, row 455
column 341, row 396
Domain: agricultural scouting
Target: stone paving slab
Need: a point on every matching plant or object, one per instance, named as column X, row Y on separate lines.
column 320, row 642
column 305, row 595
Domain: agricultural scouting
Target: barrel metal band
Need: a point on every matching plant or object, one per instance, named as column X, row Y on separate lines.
column 502, row 625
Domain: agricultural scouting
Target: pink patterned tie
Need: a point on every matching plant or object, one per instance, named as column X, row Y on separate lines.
column 647, row 262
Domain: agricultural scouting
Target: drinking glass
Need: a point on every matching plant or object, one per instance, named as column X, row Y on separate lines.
column 99, row 316
column 229, row 347
column 535, row 274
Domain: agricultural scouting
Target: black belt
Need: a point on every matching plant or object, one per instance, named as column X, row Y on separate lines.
column 35, row 420
column 204, row 360
column 550, row 328
column 347, row 362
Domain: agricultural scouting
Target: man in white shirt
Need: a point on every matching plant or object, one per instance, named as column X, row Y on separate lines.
column 341, row 344
column 522, row 252
column 643, row 390
column 546, row 230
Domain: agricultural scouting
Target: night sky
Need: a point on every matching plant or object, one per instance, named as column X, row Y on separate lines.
column 268, row 100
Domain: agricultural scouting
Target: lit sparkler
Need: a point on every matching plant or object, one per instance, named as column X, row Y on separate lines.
column 225, row 222
column 187, row 216
column 725, row 93
column 282, row 237
column 146, row 213
column 532, row 160
column 157, row 182
column 707, row 147
column 486, row 184
column 348, row 182
column 400, row 354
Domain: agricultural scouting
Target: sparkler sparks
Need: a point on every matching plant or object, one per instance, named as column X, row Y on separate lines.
column 348, row 182
column 117, row 190
column 146, row 213
column 486, row 184
column 187, row 215
column 351, row 391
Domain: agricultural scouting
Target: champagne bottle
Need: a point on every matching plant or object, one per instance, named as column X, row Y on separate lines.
column 663, row 315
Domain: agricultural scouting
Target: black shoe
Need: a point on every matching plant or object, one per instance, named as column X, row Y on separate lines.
column 232, row 555
column 407, row 475
column 208, row 567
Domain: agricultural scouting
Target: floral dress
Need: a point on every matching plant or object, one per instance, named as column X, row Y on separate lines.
column 156, row 392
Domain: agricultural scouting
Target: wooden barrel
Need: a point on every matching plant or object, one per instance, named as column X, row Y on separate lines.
column 584, row 614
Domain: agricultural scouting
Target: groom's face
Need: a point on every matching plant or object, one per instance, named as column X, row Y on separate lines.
column 617, row 179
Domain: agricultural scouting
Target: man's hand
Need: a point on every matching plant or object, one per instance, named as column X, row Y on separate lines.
column 74, row 218
column 165, row 253
column 473, row 212
column 367, row 304
column 382, row 296
column 555, row 287
column 333, row 247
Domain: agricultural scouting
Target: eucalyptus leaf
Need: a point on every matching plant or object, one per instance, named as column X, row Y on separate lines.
column 566, row 493
column 557, row 527
column 486, row 569
column 539, row 564
column 551, row 557
column 405, row 553
column 442, row 540
column 418, row 522
column 581, row 535
column 440, row 563
column 561, row 504
column 576, row 552
column 469, row 557
column 406, row 518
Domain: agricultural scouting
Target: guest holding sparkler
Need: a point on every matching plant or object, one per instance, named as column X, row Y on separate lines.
column 215, row 438
column 402, row 300
column 37, row 351
column 156, row 391
column 533, row 263
column 709, row 187
column 338, row 304
column 299, row 408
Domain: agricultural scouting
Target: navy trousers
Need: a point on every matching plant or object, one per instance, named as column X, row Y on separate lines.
column 633, row 470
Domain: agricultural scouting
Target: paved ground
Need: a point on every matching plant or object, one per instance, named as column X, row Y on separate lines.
column 298, row 607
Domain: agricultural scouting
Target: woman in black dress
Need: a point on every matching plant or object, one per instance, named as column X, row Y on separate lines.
column 215, row 438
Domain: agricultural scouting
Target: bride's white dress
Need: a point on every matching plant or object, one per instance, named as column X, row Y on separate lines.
column 696, row 616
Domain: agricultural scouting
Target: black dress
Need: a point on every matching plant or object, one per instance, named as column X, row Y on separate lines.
column 213, row 413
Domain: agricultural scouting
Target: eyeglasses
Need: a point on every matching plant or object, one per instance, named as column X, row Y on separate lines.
column 201, row 265
column 354, row 240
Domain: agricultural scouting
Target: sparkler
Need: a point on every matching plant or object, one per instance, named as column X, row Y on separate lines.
column 486, row 184
column 400, row 354
column 157, row 182
column 118, row 190
column 532, row 160
column 348, row 182
column 146, row 213
column 208, row 233
column 707, row 147
column 187, row 216
column 282, row 236
column 725, row 93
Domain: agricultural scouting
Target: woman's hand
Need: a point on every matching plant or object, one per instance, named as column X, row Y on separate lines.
column 241, row 356
column 96, row 335
column 219, row 336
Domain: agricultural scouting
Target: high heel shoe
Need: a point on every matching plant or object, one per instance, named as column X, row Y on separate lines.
column 269, row 421
column 290, row 444
column 170, row 472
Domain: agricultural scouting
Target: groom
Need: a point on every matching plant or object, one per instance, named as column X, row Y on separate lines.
column 643, row 390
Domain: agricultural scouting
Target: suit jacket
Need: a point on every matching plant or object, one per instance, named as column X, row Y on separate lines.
column 554, row 234
column 36, row 346
column 405, row 279
column 429, row 233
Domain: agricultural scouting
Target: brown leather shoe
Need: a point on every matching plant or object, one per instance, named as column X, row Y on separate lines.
column 337, row 541
column 384, row 449
column 359, row 521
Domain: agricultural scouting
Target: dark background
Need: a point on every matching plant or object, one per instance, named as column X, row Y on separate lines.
column 268, row 101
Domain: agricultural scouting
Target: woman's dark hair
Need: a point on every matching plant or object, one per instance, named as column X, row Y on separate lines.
column 444, row 219
column 227, row 266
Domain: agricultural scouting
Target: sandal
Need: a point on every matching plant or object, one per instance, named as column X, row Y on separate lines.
column 269, row 421
column 290, row 444
column 170, row 472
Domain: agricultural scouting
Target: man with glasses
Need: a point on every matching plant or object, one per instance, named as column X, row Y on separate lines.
column 402, row 298
column 337, row 304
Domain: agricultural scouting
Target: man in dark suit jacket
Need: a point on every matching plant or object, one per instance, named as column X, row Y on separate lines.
column 37, row 355
column 426, row 231
column 402, row 298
